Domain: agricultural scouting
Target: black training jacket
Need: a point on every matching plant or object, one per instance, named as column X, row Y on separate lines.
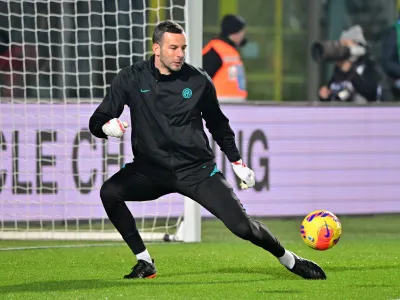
column 166, row 115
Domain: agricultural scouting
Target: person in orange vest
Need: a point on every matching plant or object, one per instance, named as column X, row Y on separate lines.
column 222, row 61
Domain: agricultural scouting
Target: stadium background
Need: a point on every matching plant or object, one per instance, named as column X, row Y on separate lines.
column 277, row 59
column 307, row 155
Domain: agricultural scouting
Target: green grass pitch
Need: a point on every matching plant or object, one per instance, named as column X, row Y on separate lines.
column 364, row 265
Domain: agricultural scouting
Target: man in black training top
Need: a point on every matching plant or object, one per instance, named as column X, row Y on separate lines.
column 168, row 99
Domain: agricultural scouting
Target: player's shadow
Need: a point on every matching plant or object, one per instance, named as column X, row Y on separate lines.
column 270, row 273
column 267, row 273
column 94, row 284
column 53, row 286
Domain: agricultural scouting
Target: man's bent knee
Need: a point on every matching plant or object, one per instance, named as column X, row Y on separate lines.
column 109, row 193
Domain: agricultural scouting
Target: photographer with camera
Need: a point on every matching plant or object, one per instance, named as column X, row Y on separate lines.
column 355, row 77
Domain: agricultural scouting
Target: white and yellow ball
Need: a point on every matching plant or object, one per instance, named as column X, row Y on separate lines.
column 321, row 230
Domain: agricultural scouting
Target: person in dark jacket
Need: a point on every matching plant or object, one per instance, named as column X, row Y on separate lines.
column 355, row 79
column 168, row 100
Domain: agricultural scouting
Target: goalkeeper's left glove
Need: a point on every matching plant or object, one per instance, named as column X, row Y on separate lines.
column 245, row 174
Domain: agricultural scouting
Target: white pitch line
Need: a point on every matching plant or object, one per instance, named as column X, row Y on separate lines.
column 72, row 246
column 58, row 246
column 90, row 245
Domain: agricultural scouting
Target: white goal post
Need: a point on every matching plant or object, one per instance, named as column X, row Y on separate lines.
column 57, row 58
column 194, row 15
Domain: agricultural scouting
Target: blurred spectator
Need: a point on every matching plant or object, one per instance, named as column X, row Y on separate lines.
column 357, row 78
column 222, row 61
column 391, row 57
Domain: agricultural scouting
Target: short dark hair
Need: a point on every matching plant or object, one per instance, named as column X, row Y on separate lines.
column 163, row 27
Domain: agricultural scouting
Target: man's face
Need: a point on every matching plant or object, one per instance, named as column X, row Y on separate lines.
column 241, row 35
column 238, row 37
column 171, row 52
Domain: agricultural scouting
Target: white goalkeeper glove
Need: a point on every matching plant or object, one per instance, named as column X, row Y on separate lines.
column 115, row 128
column 245, row 174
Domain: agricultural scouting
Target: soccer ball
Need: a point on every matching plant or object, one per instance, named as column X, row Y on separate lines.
column 321, row 230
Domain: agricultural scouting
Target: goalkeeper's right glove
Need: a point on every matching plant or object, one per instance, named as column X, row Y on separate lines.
column 115, row 128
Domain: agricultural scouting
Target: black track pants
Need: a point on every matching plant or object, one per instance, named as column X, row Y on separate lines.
column 139, row 181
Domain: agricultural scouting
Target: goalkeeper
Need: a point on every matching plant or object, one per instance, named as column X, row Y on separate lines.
column 168, row 99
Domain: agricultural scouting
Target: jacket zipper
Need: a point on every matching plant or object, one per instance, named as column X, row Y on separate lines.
column 166, row 137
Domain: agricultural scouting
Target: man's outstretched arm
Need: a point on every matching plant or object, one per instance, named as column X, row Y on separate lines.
column 218, row 125
column 104, row 121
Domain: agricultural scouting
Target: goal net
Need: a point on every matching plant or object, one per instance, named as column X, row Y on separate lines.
column 57, row 59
